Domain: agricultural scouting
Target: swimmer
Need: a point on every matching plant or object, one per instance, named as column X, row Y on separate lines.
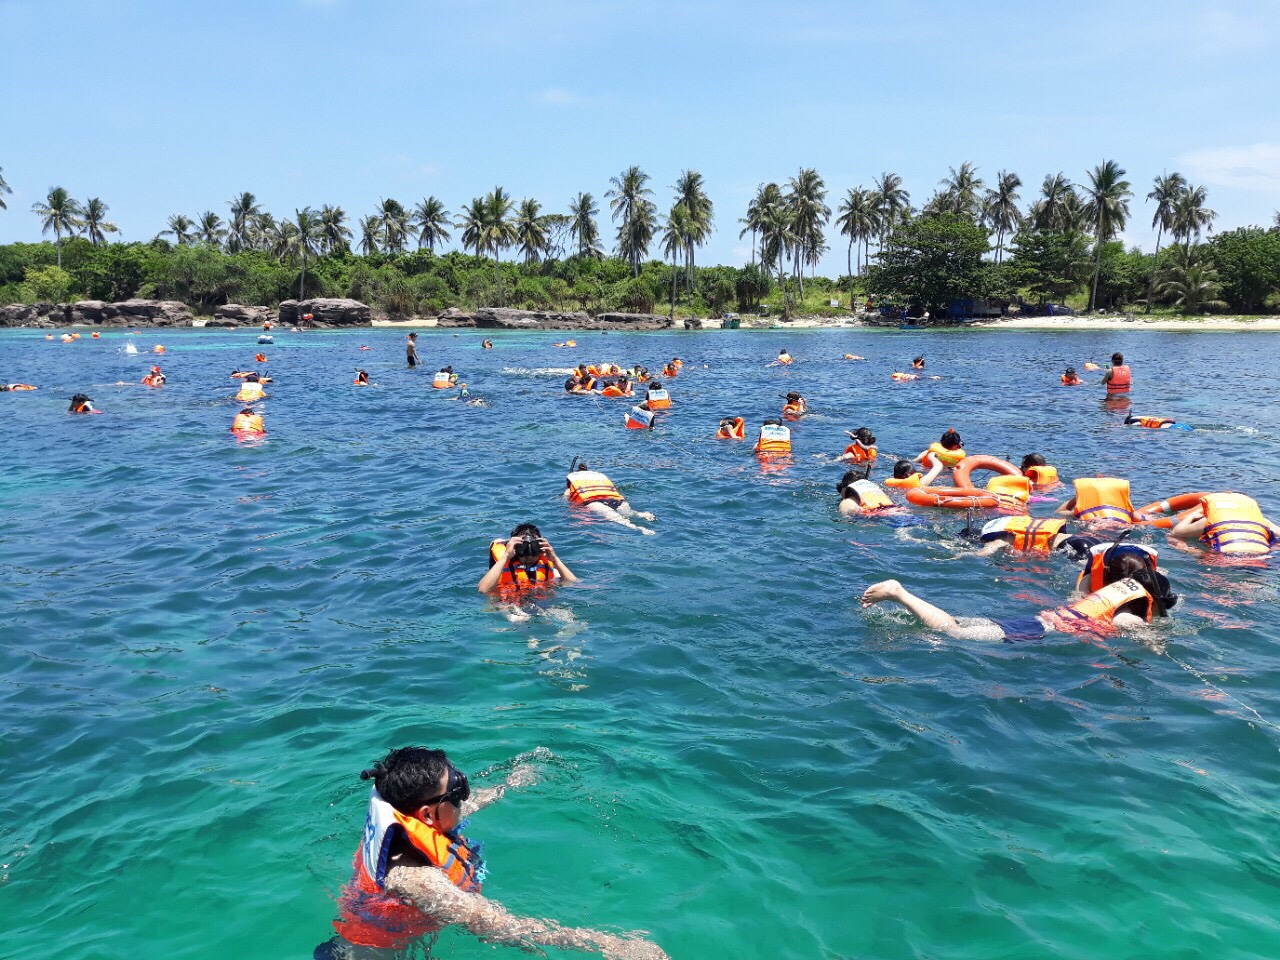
column 949, row 449
column 918, row 363
column 525, row 560
column 619, row 388
column 1070, row 378
column 246, row 421
column 586, row 379
column 903, row 377
column 241, row 374
column 5, row 387
column 486, row 345
column 411, row 351
column 1024, row 534
column 81, row 404
column 445, row 378
column 154, row 379
column 784, row 358
column 1133, row 593
column 1090, row 365
column 795, row 407
column 1118, row 379
column 1154, row 423
column 361, row 380
column 1038, row 471
column 860, row 497
column 670, row 370
column 853, row 356
column 1103, row 500
column 656, row 396
column 595, row 491
column 863, row 448
column 1228, row 523
column 363, row 347
column 575, row 385
column 732, row 428
column 906, row 476
column 415, row 871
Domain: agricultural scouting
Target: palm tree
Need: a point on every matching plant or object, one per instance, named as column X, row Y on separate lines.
column 1050, row 211
column 960, row 191
column 472, row 226
column 370, row 234
column 303, row 240
column 892, row 203
column 1165, row 191
column 530, row 230
column 699, row 214
column 263, row 231
column 1107, row 210
column 805, row 198
column 675, row 242
column 582, row 213
column 1190, row 215
column 431, row 220
column 777, row 240
column 96, row 226
column 335, row 235
column 244, row 209
column 395, row 225
column 500, row 230
column 629, row 201
column 859, row 221
column 1001, row 208
column 209, row 229
column 4, row 188
column 180, row 226
column 1191, row 281
column 59, row 213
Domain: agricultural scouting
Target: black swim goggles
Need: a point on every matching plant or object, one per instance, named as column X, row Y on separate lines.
column 456, row 791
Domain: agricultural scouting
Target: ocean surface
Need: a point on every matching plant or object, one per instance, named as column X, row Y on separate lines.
column 205, row 640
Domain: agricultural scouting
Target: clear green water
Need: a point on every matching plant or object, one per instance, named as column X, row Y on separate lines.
column 204, row 642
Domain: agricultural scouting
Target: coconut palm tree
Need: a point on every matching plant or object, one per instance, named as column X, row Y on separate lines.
column 335, row 235
column 1001, row 208
column 892, row 203
column 500, row 229
column 859, row 221
column 1107, row 210
column 302, row 238
column 777, row 241
column 263, row 231
column 675, row 243
column 370, row 234
column 59, row 213
column 530, row 230
column 395, row 225
column 209, row 229
column 96, row 225
column 1049, row 212
column 582, row 213
column 4, row 188
column 431, row 220
column 629, row 202
column 472, row 226
column 960, row 191
column 1165, row 190
column 244, row 209
column 1190, row 215
column 699, row 215
column 805, row 198
column 1190, row 280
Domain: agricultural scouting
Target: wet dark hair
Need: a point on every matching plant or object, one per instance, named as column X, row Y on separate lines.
column 80, row 398
column 253, row 378
column 919, row 359
column 793, row 396
column 863, row 435
column 774, row 421
column 903, row 469
column 571, row 383
column 655, row 384
column 581, row 465
column 1032, row 460
column 407, row 776
column 951, row 440
column 1071, row 371
column 521, row 529
column 1139, row 566
column 1117, row 359
column 248, row 411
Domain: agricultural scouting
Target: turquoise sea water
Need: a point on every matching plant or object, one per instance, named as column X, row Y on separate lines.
column 205, row 640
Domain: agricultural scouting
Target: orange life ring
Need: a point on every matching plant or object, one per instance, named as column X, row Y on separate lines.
column 1163, row 514
column 963, row 498
column 981, row 461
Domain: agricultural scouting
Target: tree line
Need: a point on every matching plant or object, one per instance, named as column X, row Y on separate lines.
column 983, row 241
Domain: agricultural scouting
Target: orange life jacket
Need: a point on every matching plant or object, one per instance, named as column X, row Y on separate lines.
column 896, row 375
column 793, row 411
column 669, row 371
column 915, row 480
column 870, row 497
column 638, row 418
column 150, row 381
column 1120, row 380
column 82, row 407
column 735, row 429
column 1093, row 576
column 589, row 486
column 1017, row 487
column 1045, row 476
column 1029, row 533
column 613, row 390
column 1234, row 524
column 371, row 917
column 948, row 458
column 516, row 577
column 593, row 370
column 860, row 453
column 1070, row 381
column 784, row 359
column 587, row 383
column 359, row 382
column 658, row 400
column 1154, row 423
column 250, row 391
column 247, row 423
column 1099, row 608
column 21, row 386
column 443, row 381
column 774, row 439
column 1103, row 500
column 261, row 358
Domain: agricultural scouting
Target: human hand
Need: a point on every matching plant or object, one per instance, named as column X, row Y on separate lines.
column 884, row 590
column 548, row 550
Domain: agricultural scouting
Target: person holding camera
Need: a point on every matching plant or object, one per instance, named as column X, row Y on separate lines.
column 523, row 561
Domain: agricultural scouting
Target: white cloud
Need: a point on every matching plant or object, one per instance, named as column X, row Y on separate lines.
column 1255, row 167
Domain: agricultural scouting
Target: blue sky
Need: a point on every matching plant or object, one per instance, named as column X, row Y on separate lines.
column 160, row 107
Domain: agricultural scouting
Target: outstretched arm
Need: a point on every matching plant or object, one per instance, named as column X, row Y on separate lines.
column 432, row 893
column 1067, row 509
column 1190, row 526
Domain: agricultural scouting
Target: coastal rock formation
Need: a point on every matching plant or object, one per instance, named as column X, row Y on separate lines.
column 240, row 315
column 504, row 318
column 126, row 313
column 326, row 312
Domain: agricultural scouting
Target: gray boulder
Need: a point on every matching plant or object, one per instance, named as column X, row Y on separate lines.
column 326, row 312
column 240, row 315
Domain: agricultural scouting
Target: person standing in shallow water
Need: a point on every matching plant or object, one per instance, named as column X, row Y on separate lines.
column 411, row 351
column 415, row 872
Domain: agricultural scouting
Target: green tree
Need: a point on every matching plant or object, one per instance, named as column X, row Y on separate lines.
column 59, row 213
column 892, row 203
column 209, row 229
column 1050, row 265
column 4, row 188
column 691, row 194
column 395, row 225
column 777, row 241
column 1248, row 264
column 675, row 239
column 335, row 235
column 472, row 226
column 1189, row 279
column 1165, row 190
column 805, row 198
column 431, row 220
column 45, row 285
column 1052, row 211
column 960, row 192
column 1107, row 210
column 932, row 261
column 1000, row 208
column 96, row 224
column 583, row 211
column 500, row 229
column 304, row 241
column 244, row 210
column 370, row 234
column 630, row 204
column 180, row 227
column 1191, row 215
column 530, row 230
column 856, row 218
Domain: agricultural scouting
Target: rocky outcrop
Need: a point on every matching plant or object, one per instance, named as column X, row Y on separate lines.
column 325, row 312
column 94, row 313
column 503, row 318
column 240, row 315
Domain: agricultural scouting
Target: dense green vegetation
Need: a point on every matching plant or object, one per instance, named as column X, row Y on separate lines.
column 965, row 242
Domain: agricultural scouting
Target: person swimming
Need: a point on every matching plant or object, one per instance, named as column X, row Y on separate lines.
column 949, row 449
column 81, row 404
column 918, row 363
column 362, row 379
column 863, row 448
column 593, row 490
column 795, row 407
column 860, row 497
column 1070, row 378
